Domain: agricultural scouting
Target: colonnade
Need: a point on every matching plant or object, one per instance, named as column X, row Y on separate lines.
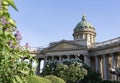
column 107, row 62
column 102, row 63
column 59, row 58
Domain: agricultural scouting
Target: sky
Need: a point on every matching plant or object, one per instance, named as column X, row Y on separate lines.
column 43, row 21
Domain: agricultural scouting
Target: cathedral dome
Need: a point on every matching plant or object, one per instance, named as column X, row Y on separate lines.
column 83, row 24
column 84, row 31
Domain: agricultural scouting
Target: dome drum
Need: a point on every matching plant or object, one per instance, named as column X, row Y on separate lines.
column 84, row 32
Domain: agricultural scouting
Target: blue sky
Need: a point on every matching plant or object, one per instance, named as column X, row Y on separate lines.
column 45, row 21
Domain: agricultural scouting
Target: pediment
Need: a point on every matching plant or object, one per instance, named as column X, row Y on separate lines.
column 63, row 45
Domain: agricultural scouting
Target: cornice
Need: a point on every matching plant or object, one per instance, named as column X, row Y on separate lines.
column 67, row 49
column 107, row 46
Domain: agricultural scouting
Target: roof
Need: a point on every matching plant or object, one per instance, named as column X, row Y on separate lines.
column 83, row 24
column 64, row 45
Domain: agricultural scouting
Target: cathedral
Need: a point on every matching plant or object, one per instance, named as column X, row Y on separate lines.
column 103, row 56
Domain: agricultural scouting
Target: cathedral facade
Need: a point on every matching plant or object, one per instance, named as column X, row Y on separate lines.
column 103, row 57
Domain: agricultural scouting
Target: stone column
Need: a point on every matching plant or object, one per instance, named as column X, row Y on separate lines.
column 101, row 66
column 83, row 36
column 52, row 58
column 87, row 60
column 68, row 57
column 97, row 62
column 93, row 38
column 114, row 61
column 118, row 60
column 38, row 67
column 76, row 57
column 114, row 65
column 106, row 69
column 88, row 37
column 60, row 59
column 45, row 60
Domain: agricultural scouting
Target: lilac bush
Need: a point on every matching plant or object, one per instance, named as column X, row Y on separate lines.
column 12, row 68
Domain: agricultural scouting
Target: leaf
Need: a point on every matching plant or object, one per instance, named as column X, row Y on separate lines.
column 6, row 14
column 5, row 3
column 18, row 79
column 1, row 13
column 11, row 2
column 11, row 21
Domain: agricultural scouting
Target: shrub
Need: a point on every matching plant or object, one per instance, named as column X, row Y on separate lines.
column 69, row 71
column 108, row 81
column 36, row 79
column 54, row 79
column 92, row 76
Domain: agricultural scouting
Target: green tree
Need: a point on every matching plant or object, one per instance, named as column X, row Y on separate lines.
column 13, row 68
column 62, row 70
column 76, row 72
column 49, row 68
column 72, row 72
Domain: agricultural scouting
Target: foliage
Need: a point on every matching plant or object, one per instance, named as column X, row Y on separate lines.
column 54, row 79
column 76, row 72
column 108, row 81
column 92, row 76
column 50, row 68
column 37, row 79
column 62, row 71
column 13, row 68
column 70, row 73
column 67, row 62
